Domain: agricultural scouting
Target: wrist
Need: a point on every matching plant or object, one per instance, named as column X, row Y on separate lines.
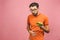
column 41, row 26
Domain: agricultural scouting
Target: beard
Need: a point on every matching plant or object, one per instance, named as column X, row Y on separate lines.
column 35, row 14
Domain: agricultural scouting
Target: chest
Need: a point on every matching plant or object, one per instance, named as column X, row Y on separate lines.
column 34, row 20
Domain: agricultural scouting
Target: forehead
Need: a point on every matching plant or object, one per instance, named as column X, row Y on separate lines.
column 33, row 7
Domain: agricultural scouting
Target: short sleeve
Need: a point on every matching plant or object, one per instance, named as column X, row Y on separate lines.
column 28, row 20
column 46, row 21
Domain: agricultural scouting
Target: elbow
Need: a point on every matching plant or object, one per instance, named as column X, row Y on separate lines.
column 47, row 31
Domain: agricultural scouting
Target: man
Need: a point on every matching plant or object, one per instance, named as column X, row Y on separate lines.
column 37, row 23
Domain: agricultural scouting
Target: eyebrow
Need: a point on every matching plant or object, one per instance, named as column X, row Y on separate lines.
column 33, row 9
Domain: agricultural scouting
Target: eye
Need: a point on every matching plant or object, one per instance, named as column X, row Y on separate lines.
column 33, row 9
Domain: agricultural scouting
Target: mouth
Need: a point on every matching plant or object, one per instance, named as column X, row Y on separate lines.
column 34, row 14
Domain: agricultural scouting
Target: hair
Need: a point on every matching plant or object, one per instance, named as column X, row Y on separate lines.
column 34, row 4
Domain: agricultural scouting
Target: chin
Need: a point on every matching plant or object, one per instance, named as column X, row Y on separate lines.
column 35, row 14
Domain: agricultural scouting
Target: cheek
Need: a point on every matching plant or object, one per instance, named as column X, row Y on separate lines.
column 35, row 11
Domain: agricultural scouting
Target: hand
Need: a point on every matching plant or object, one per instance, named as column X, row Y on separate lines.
column 39, row 24
column 32, row 33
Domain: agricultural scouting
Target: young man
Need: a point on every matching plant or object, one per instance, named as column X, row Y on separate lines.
column 37, row 23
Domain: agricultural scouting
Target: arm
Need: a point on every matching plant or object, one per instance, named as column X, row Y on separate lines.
column 28, row 24
column 45, row 26
column 29, row 29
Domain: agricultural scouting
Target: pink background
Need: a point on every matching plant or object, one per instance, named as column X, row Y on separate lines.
column 13, row 16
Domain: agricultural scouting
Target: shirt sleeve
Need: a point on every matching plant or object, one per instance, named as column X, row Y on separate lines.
column 28, row 20
column 46, row 21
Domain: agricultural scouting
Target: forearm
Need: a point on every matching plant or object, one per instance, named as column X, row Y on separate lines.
column 45, row 29
column 28, row 28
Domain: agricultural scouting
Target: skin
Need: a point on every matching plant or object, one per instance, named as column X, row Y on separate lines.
column 34, row 11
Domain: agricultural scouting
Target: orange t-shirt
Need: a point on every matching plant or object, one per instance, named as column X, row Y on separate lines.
column 32, row 20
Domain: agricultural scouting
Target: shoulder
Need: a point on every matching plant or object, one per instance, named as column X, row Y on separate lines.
column 44, row 16
column 29, row 15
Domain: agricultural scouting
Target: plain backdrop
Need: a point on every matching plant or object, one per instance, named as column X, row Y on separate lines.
column 13, row 18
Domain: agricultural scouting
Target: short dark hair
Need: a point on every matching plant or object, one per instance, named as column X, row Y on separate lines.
column 34, row 4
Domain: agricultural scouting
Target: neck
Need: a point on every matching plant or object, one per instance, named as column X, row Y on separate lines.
column 36, row 14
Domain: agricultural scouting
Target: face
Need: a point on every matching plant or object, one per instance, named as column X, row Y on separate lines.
column 34, row 10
